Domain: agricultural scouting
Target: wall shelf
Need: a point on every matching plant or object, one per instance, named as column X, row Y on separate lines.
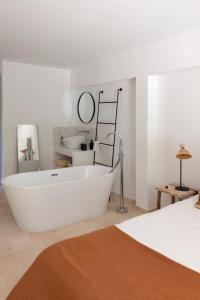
column 78, row 157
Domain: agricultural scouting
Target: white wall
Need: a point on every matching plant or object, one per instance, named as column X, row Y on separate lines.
column 33, row 95
column 125, row 126
column 173, row 120
column 0, row 128
column 179, row 52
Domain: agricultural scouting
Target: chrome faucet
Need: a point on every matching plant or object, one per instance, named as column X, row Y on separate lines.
column 121, row 208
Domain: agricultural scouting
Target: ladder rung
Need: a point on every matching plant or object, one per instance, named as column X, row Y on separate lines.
column 102, row 164
column 106, row 123
column 106, row 144
column 105, row 102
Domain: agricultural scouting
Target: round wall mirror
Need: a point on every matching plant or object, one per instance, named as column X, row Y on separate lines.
column 86, row 107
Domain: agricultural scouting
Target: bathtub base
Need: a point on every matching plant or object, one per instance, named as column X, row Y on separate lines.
column 76, row 194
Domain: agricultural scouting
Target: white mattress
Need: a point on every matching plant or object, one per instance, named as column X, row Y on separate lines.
column 174, row 231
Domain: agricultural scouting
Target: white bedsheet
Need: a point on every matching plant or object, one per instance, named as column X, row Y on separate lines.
column 174, row 231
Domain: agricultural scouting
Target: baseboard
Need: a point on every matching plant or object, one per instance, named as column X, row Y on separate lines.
column 130, row 200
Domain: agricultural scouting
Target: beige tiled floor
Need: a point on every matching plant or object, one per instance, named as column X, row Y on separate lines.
column 18, row 249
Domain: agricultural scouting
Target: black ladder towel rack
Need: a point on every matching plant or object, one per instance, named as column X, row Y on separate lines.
column 107, row 123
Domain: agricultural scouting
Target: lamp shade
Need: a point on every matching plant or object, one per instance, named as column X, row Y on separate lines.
column 183, row 153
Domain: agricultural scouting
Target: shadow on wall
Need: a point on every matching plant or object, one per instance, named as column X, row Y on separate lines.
column 173, row 120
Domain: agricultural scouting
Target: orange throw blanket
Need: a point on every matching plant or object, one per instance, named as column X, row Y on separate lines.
column 105, row 265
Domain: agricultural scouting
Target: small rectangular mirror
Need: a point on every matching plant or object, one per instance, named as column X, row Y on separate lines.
column 28, row 148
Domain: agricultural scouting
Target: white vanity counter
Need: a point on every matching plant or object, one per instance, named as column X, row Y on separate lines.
column 79, row 157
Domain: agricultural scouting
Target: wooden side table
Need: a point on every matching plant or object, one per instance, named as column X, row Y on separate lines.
column 170, row 190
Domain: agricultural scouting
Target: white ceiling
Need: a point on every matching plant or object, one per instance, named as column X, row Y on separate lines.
column 73, row 32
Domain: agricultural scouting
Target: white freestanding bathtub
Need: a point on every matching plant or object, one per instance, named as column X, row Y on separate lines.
column 45, row 200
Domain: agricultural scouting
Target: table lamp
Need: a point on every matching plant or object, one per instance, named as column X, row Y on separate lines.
column 182, row 154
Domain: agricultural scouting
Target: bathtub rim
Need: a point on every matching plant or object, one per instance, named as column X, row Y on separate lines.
column 57, row 183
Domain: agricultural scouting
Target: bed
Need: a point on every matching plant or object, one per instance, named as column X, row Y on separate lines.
column 153, row 256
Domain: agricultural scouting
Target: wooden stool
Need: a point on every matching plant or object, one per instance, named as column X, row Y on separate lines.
column 170, row 190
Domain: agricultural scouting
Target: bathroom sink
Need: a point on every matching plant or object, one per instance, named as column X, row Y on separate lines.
column 74, row 142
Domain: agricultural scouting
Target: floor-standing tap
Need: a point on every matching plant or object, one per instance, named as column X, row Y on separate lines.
column 121, row 208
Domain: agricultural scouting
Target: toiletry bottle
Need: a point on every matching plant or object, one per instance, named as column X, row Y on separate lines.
column 83, row 147
column 91, row 145
column 61, row 141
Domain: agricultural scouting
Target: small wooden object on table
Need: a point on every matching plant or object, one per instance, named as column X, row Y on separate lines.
column 170, row 190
